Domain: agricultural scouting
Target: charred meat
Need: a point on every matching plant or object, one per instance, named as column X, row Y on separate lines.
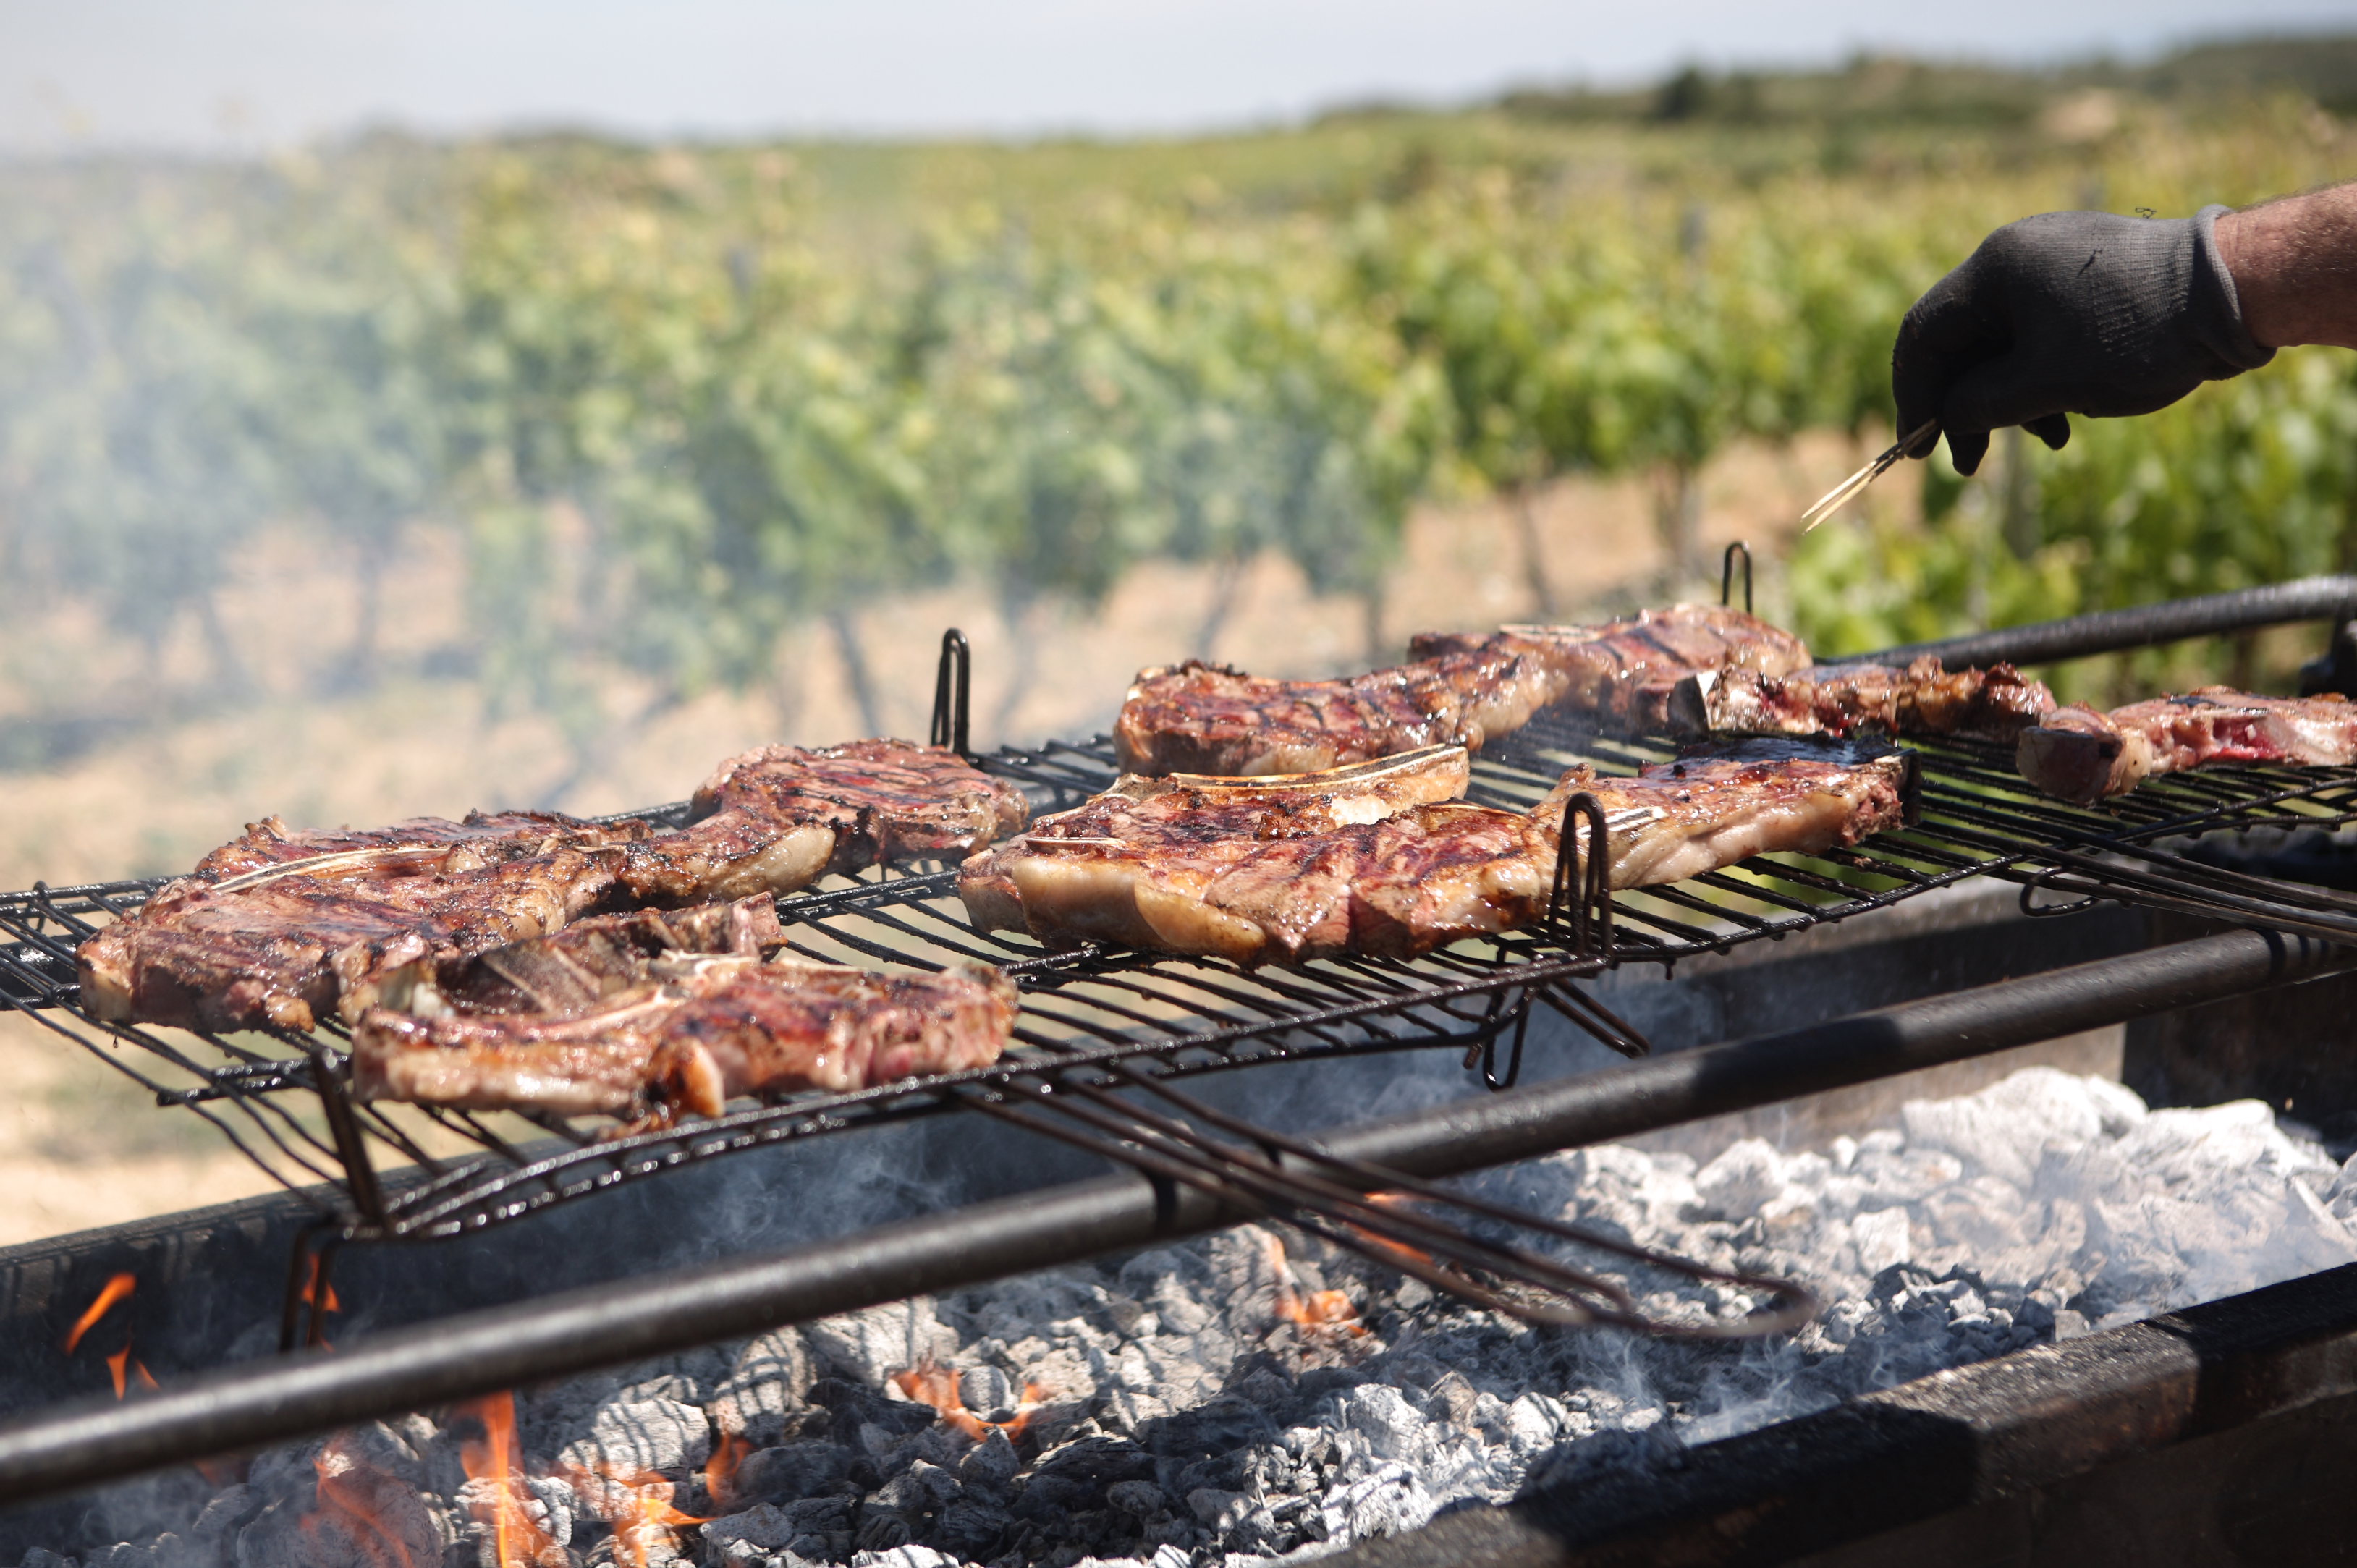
column 1623, row 672
column 577, row 969
column 688, row 1033
column 267, row 936
column 1360, row 860
column 1925, row 699
column 1210, row 719
column 2078, row 753
column 1707, row 811
column 776, row 819
column 1457, row 689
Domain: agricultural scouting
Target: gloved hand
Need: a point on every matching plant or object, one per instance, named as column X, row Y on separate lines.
column 2069, row 313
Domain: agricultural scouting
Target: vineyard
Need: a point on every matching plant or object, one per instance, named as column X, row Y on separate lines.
column 677, row 405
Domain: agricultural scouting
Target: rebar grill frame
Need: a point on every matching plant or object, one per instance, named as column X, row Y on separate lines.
column 1090, row 1012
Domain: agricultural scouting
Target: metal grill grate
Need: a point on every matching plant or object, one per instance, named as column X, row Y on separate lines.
column 1171, row 1017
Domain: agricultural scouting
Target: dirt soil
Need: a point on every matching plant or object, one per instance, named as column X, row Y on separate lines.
column 83, row 1145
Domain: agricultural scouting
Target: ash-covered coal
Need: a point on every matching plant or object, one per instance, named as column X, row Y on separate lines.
column 1218, row 1402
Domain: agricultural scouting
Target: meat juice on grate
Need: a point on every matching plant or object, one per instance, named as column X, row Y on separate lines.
column 1242, row 1396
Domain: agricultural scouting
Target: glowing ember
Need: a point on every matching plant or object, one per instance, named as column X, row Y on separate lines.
column 639, row 1505
column 317, row 1297
column 516, row 1541
column 118, row 1287
column 929, row 1382
column 1384, row 1244
column 1322, row 1309
column 352, row 1495
column 115, row 1363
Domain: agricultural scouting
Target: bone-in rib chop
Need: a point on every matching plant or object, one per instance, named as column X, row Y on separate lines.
column 1622, row 672
column 776, row 819
column 687, row 1034
column 1925, row 699
column 1709, row 810
column 575, row 968
column 2079, row 754
column 279, row 923
column 1459, row 689
column 1360, row 860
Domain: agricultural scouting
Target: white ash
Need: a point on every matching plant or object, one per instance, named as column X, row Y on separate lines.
column 1171, row 1419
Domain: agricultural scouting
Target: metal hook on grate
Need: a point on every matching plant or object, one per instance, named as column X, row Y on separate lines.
column 1727, row 575
column 953, row 694
column 1592, row 911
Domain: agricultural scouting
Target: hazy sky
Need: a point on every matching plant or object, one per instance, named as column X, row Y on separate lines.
column 230, row 74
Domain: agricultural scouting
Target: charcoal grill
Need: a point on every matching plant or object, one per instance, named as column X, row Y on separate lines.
column 280, row 1097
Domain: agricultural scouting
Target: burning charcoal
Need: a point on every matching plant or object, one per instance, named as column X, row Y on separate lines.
column 231, row 1509
column 990, row 1464
column 633, row 1437
column 910, row 1557
column 971, row 1527
column 869, row 1347
column 788, row 1472
column 749, row 1537
column 1140, row 1499
column 770, row 1381
column 1393, row 1427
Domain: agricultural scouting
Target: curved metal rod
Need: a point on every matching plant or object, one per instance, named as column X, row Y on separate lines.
column 1391, row 1228
column 1595, row 872
column 953, row 694
column 1727, row 573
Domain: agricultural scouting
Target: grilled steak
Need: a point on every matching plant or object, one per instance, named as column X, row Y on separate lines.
column 1677, row 819
column 1459, row 689
column 776, row 819
column 1210, row 719
column 480, row 839
column 1623, row 672
column 276, row 944
column 1362, row 860
column 688, row 1034
column 1923, row 699
column 575, row 970
column 2078, row 753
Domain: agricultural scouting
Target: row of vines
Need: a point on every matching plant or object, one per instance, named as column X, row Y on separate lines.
column 676, row 409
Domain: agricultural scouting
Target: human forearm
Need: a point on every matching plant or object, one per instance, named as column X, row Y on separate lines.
column 2295, row 267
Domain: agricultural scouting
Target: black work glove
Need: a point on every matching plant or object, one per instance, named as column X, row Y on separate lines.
column 2069, row 313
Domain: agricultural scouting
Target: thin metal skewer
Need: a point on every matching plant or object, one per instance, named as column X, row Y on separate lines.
column 1834, row 500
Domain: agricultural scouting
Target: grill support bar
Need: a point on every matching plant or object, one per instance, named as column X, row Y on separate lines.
column 2332, row 598
column 483, row 1352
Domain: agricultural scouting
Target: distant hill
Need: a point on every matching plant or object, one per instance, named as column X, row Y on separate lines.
column 1888, row 89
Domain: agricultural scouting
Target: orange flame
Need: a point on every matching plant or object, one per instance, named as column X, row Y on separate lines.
column 720, row 1470
column 318, row 1299
column 517, row 1541
column 1397, row 1249
column 639, row 1505
column 1324, row 1309
column 343, row 1494
column 116, row 1289
column 115, row 1364
column 929, row 1382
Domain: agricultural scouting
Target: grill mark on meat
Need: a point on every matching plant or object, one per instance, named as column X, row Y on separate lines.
column 776, row 818
column 578, row 967
column 1709, row 810
column 261, row 941
column 1924, row 698
column 480, row 838
column 1375, row 859
column 689, row 1035
column 1460, row 688
column 2080, row 755
column 1275, row 873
